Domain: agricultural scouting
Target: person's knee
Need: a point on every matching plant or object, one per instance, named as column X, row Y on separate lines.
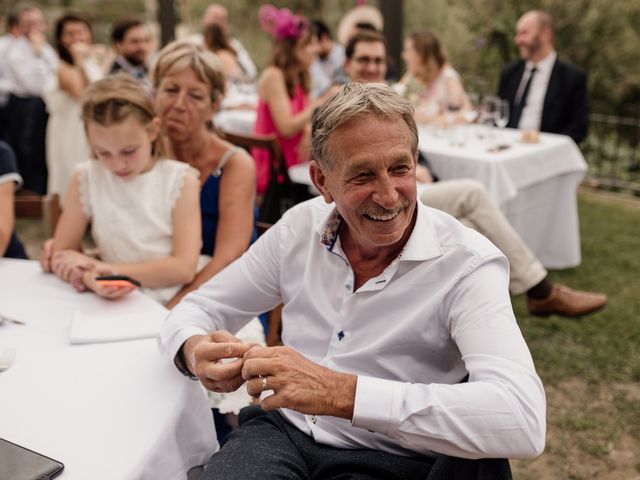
column 250, row 412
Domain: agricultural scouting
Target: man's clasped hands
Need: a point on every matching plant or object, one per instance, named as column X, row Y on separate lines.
column 223, row 363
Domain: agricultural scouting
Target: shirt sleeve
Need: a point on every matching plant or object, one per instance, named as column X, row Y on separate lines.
column 499, row 412
column 31, row 71
column 246, row 288
column 8, row 166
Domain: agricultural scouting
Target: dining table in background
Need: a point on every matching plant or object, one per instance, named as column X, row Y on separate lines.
column 106, row 410
column 534, row 184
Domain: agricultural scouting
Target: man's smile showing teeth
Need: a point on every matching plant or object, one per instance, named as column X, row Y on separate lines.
column 382, row 218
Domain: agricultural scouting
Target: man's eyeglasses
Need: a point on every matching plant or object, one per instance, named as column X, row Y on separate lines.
column 377, row 61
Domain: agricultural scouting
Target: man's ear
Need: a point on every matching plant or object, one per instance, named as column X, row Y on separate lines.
column 319, row 180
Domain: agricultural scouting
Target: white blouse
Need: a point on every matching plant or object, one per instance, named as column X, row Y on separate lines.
column 131, row 220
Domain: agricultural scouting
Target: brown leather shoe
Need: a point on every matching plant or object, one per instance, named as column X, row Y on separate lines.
column 566, row 302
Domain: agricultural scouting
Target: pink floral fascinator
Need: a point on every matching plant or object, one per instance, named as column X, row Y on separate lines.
column 282, row 24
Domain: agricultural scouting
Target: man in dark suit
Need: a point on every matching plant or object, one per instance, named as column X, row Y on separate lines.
column 544, row 93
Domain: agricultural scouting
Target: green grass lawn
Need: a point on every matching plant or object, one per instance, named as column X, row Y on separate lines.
column 591, row 366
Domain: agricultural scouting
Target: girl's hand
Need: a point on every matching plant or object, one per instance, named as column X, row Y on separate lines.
column 46, row 256
column 76, row 280
column 111, row 292
column 64, row 262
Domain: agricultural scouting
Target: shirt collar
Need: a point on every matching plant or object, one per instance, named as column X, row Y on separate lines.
column 544, row 65
column 136, row 70
column 423, row 243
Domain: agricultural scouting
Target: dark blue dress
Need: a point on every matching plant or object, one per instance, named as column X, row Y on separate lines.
column 9, row 173
column 209, row 194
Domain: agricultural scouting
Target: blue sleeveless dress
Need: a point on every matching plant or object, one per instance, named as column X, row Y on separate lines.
column 209, row 194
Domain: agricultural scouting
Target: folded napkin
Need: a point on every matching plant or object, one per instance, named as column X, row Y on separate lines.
column 99, row 328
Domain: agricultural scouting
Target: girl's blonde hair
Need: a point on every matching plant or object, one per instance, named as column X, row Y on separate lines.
column 114, row 99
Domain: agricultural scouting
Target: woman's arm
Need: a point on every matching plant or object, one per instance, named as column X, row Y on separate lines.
column 6, row 215
column 273, row 90
column 72, row 79
column 179, row 267
column 456, row 93
column 235, row 219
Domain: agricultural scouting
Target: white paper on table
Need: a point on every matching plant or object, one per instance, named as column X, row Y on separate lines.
column 100, row 328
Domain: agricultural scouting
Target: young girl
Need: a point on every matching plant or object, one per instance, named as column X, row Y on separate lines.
column 144, row 210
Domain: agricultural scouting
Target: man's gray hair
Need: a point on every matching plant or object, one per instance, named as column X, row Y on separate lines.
column 357, row 100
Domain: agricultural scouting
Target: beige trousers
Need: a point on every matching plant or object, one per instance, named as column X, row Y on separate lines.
column 469, row 202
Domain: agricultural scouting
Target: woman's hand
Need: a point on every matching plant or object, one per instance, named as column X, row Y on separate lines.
column 79, row 51
column 318, row 101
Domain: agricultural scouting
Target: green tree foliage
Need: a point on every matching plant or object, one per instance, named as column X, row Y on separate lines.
column 601, row 36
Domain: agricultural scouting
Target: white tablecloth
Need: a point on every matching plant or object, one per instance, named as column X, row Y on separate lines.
column 240, row 122
column 534, row 185
column 113, row 410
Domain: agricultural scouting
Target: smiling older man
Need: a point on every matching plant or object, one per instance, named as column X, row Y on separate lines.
column 400, row 343
column 469, row 202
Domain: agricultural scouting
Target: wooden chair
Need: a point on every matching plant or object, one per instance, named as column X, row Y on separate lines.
column 281, row 193
column 268, row 142
column 46, row 207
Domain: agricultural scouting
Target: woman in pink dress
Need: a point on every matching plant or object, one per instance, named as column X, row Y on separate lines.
column 284, row 107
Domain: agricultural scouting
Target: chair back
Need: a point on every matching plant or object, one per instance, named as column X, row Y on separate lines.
column 281, row 193
column 267, row 142
column 46, row 207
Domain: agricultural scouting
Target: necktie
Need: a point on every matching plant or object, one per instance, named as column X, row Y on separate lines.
column 518, row 107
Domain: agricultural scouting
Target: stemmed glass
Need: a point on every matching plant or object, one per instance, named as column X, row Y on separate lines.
column 487, row 115
column 454, row 107
column 471, row 114
column 501, row 114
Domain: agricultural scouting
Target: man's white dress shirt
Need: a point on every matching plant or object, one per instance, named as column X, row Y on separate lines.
column 439, row 312
column 531, row 117
column 244, row 59
column 326, row 72
column 27, row 71
column 5, row 85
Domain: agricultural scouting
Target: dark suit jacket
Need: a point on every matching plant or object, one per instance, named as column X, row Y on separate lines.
column 566, row 104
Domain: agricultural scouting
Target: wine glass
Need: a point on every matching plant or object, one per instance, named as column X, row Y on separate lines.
column 487, row 115
column 502, row 114
column 454, row 108
column 471, row 114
